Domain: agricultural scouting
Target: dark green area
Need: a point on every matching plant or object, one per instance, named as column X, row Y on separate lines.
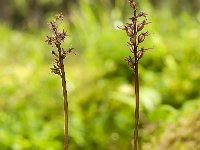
column 100, row 84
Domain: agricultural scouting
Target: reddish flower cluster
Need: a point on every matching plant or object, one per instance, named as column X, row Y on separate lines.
column 56, row 36
column 56, row 40
column 132, row 30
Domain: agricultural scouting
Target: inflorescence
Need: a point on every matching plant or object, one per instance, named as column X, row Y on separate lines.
column 55, row 40
column 135, row 34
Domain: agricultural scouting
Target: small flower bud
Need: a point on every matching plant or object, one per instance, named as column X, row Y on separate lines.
column 141, row 38
column 131, row 47
column 140, row 26
column 140, row 54
column 129, row 31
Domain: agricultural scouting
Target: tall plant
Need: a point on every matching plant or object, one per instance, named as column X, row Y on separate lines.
column 55, row 40
column 136, row 36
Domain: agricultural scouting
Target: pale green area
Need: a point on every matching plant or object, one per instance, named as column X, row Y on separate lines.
column 100, row 84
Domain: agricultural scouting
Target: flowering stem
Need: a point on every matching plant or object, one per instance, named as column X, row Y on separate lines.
column 136, row 36
column 136, row 89
column 56, row 39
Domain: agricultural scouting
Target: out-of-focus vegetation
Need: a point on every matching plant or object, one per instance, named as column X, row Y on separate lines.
column 101, row 94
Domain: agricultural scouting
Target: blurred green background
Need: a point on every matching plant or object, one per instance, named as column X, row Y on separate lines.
column 100, row 84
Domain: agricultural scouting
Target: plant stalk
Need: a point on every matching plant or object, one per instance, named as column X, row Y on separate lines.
column 136, row 108
column 64, row 87
column 135, row 147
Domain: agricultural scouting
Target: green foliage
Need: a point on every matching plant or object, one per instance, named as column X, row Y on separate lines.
column 181, row 134
column 101, row 102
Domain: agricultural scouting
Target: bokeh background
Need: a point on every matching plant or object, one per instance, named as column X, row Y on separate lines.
column 100, row 83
